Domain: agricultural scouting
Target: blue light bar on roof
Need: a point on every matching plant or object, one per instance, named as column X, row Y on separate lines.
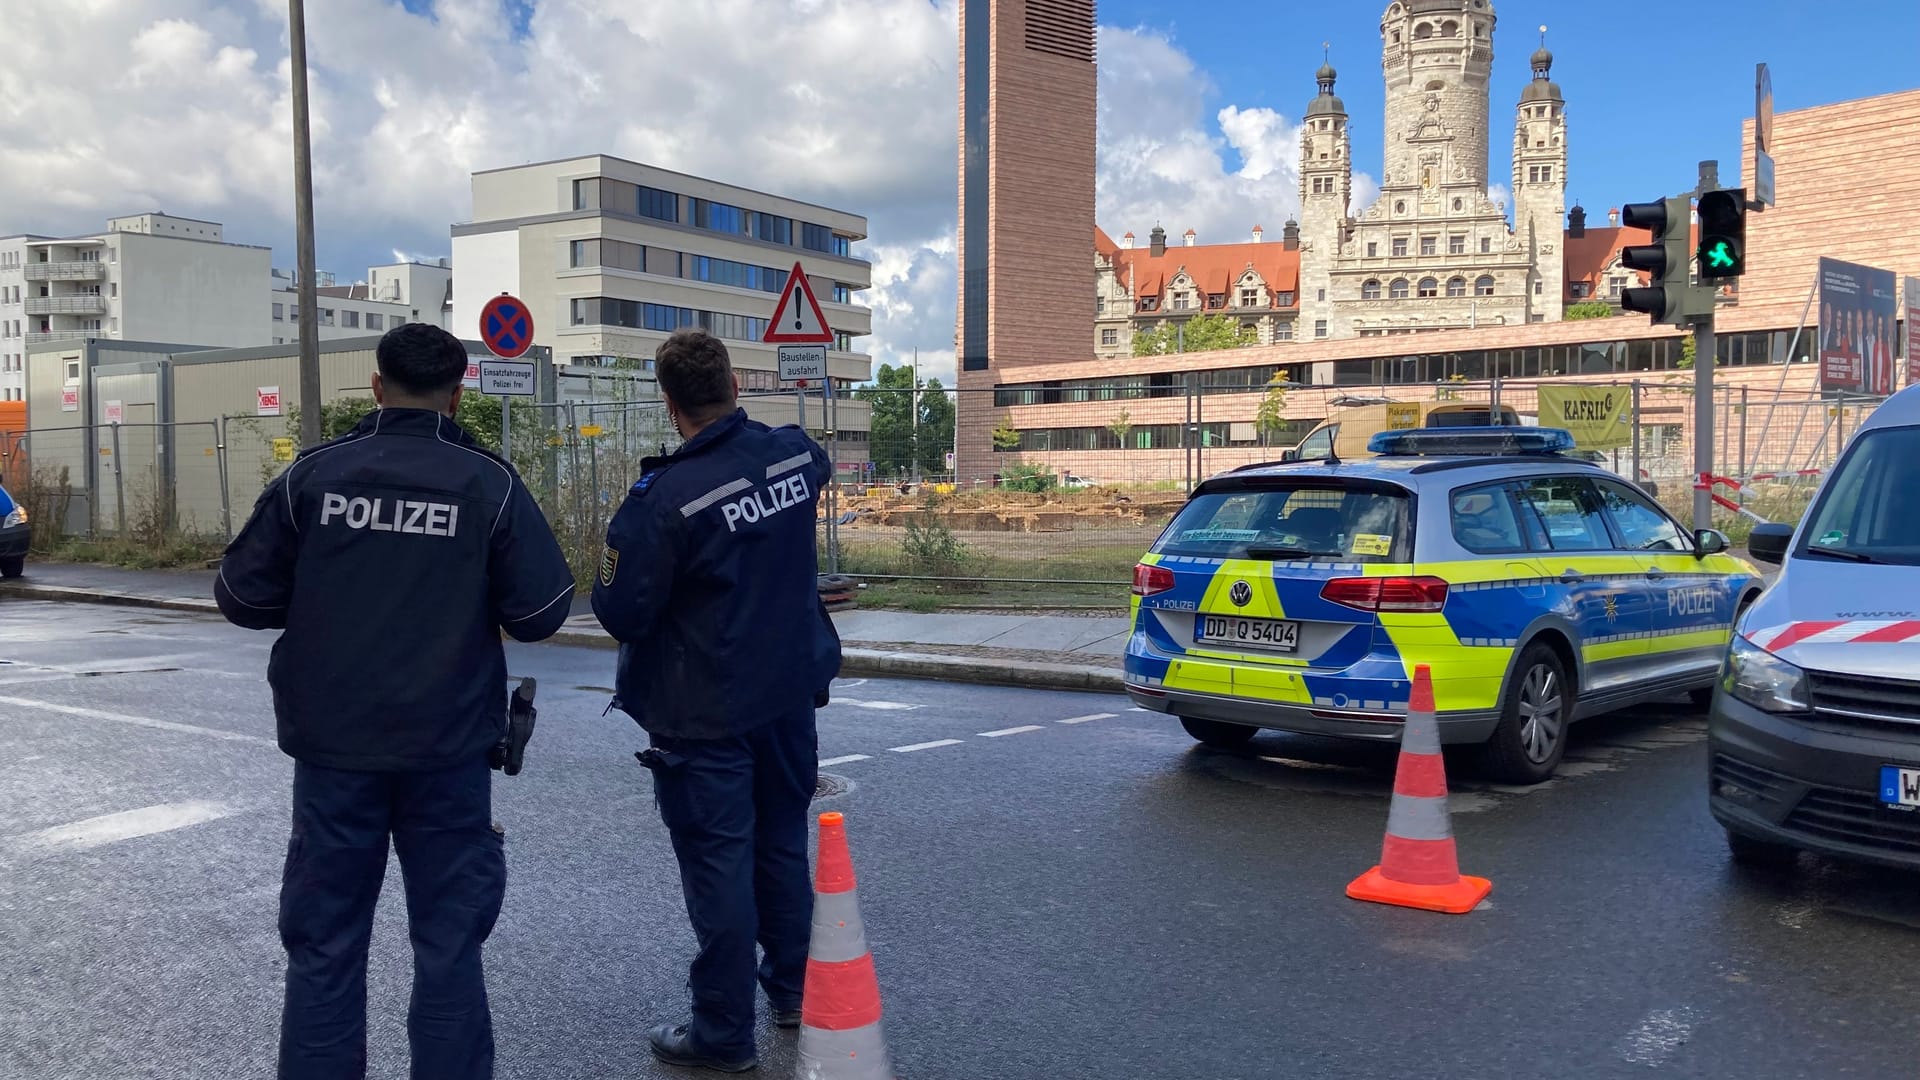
column 1413, row 442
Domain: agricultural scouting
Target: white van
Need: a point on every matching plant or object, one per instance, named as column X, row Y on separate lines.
column 1814, row 734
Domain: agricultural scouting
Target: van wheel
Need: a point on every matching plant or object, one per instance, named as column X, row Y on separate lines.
column 1535, row 711
column 13, row 567
column 1218, row 732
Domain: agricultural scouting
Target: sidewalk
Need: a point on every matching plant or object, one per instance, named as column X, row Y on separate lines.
column 1042, row 651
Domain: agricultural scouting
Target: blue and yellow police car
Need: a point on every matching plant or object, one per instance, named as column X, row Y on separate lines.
column 1539, row 588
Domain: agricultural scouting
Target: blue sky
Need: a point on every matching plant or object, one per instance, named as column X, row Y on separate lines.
column 1265, row 55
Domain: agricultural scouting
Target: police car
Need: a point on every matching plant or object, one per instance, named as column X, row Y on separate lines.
column 1539, row 588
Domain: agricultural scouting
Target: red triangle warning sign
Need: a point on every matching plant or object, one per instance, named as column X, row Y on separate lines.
column 796, row 318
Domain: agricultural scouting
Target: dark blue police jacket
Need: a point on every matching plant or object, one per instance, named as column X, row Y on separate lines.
column 708, row 583
column 393, row 557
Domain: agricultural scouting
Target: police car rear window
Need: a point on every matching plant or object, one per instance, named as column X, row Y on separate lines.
column 1292, row 523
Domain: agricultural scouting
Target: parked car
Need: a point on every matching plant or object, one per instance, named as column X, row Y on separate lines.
column 1814, row 732
column 14, row 536
column 1539, row 588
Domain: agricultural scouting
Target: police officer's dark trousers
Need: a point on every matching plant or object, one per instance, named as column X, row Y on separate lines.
column 455, row 872
column 737, row 811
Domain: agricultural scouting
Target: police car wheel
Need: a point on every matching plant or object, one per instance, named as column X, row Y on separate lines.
column 13, row 567
column 1218, row 732
column 1534, row 713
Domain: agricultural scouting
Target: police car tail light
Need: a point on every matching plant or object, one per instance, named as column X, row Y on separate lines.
column 1387, row 593
column 1148, row 580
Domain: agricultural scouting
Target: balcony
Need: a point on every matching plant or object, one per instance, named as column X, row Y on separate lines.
column 86, row 270
column 84, row 304
column 65, row 335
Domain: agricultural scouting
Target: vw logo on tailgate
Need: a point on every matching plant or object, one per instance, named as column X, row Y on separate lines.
column 1241, row 594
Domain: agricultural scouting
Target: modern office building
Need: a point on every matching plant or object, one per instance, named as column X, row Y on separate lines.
column 1027, row 120
column 611, row 256
column 391, row 296
column 149, row 277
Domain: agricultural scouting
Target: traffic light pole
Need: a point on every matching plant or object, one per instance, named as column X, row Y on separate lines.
column 1703, row 354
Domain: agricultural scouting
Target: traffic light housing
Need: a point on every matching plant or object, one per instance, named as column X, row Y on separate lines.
column 1667, row 261
column 1723, row 234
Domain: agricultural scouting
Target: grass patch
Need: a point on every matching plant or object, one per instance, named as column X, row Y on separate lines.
column 171, row 553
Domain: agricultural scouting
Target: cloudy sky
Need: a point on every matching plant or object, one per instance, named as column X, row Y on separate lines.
column 116, row 106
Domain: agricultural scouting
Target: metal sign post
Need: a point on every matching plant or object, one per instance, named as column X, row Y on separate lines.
column 800, row 332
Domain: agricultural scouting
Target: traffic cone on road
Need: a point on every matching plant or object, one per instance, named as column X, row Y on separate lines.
column 1418, row 865
column 840, row 1010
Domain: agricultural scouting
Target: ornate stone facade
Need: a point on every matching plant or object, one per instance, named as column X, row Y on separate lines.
column 1434, row 251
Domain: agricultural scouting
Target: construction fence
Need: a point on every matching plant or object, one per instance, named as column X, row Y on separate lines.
column 1066, row 502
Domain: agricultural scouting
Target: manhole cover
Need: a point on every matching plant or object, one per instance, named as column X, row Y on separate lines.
column 829, row 785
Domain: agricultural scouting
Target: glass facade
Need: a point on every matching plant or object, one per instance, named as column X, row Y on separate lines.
column 619, row 197
column 1240, row 380
column 974, row 141
column 640, row 315
column 1156, row 437
column 620, row 255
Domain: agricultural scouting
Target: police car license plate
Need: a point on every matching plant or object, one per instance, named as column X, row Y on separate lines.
column 1278, row 634
column 1899, row 788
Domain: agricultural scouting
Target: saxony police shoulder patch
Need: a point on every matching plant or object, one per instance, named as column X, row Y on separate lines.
column 609, row 563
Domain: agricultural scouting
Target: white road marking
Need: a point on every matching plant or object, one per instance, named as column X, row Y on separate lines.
column 862, row 703
column 1138, row 708
column 1655, row 1039
column 1084, row 719
column 845, row 759
column 1010, row 731
column 924, row 746
column 109, row 828
column 137, row 721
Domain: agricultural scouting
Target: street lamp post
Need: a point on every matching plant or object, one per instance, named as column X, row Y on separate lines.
column 303, row 226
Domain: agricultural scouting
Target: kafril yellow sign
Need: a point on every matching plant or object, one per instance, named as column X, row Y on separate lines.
column 1599, row 417
column 283, row 449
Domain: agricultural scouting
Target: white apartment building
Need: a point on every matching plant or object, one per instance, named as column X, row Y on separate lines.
column 611, row 256
column 392, row 295
column 148, row 277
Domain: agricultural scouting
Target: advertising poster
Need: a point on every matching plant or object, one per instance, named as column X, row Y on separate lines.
column 1913, row 330
column 1857, row 323
column 1598, row 417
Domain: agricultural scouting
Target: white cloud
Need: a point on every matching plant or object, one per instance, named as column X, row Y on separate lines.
column 183, row 105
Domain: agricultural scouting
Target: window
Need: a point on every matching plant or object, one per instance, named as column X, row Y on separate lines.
column 1456, row 286
column 1483, row 285
column 1429, row 288
column 1457, row 244
column 843, row 247
column 326, row 316
column 1149, row 303
column 1398, row 290
column 1486, row 245
column 1457, row 205
column 1370, row 289
column 1181, row 301
column 1864, row 508
column 1580, row 290
column 1563, row 514
column 1283, row 331
column 399, row 320
column 376, row 321
column 279, row 312
column 657, row 204
column 1540, row 174
column 617, row 254
column 1109, row 336
column 816, row 237
column 1286, row 299
column 772, row 228
column 350, row 318
column 737, row 274
column 293, row 312
column 843, row 294
column 1319, row 328
column 1216, row 300
column 1484, row 521
column 1399, row 246
column 1250, row 297
column 1536, row 286
column 1326, row 520
column 1322, row 295
column 1373, row 249
column 1429, row 245
column 1614, row 285
column 1099, row 303
column 1642, row 526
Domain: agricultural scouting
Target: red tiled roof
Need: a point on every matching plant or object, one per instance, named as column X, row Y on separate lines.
column 1587, row 257
column 1214, row 268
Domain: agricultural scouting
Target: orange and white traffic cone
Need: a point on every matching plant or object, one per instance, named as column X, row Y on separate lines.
column 840, row 1010
column 1418, row 865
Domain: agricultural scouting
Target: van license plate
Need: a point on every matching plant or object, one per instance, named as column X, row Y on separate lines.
column 1278, row 634
column 1899, row 788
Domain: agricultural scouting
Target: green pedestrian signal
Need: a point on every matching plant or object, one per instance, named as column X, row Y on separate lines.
column 1723, row 234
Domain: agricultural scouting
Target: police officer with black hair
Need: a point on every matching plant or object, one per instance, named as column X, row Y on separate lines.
column 392, row 558
column 708, row 583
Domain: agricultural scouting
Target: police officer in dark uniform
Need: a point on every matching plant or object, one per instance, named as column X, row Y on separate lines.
column 708, row 583
column 393, row 557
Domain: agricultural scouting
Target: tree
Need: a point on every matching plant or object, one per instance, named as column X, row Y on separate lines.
column 1591, row 309
column 1271, row 418
column 1121, row 425
column 1006, row 436
column 898, row 442
column 1202, row 333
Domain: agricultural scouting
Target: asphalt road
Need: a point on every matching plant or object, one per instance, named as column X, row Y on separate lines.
column 1094, row 899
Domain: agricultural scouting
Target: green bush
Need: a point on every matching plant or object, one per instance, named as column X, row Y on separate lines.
column 1024, row 477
